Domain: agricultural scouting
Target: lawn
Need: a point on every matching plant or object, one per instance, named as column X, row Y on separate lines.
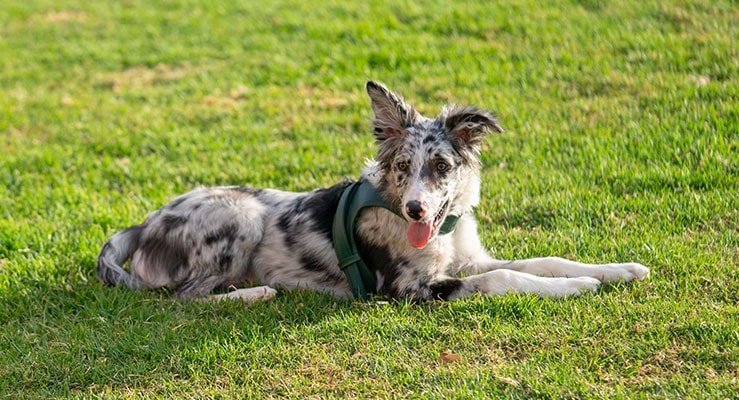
column 622, row 144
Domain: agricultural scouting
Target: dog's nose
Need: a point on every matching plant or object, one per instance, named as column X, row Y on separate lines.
column 414, row 209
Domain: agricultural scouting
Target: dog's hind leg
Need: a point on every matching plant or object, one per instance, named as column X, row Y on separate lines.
column 259, row 293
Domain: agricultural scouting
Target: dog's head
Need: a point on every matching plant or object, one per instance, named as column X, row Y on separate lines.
column 428, row 168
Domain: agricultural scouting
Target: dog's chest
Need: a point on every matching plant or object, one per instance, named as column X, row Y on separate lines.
column 383, row 243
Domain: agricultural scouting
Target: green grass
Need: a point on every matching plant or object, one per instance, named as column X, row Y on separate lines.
column 622, row 144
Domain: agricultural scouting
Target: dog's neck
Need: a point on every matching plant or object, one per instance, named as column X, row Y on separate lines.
column 356, row 197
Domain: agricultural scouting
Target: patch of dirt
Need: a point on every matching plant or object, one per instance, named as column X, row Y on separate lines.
column 138, row 77
column 65, row 16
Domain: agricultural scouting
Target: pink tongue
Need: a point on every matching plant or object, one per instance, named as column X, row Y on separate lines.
column 419, row 234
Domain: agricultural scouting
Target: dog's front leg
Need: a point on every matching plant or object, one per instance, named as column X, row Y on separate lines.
column 502, row 281
column 560, row 267
column 473, row 259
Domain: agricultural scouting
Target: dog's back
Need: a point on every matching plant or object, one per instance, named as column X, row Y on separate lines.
column 217, row 237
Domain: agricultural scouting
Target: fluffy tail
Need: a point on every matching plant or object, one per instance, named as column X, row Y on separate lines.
column 114, row 253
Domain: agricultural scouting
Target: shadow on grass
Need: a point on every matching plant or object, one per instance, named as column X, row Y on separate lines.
column 90, row 338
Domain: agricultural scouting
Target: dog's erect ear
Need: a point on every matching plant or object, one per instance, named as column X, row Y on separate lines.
column 392, row 113
column 469, row 124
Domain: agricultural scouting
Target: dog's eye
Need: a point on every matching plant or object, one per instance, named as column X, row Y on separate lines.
column 442, row 166
column 402, row 165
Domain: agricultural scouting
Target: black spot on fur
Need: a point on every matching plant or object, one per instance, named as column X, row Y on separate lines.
column 247, row 190
column 429, row 138
column 287, row 220
column 375, row 257
column 224, row 259
column 321, row 207
column 312, row 263
column 167, row 256
column 176, row 202
column 171, row 222
column 226, row 232
column 442, row 290
column 379, row 258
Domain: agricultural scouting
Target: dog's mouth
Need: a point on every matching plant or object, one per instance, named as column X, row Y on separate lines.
column 420, row 233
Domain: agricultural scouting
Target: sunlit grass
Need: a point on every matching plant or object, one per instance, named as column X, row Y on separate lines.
column 622, row 144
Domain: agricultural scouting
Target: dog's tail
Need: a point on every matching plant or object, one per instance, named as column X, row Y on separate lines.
column 114, row 253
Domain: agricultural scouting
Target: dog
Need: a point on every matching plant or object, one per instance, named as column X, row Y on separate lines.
column 426, row 173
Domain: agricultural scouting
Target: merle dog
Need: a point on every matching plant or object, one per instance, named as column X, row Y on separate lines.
column 426, row 171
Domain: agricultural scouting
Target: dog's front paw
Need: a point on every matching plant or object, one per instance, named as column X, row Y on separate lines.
column 639, row 271
column 259, row 293
column 267, row 293
column 582, row 285
column 625, row 272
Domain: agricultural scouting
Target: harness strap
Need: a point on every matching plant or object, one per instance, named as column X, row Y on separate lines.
column 356, row 197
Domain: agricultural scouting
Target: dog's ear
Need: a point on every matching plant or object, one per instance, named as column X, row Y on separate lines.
column 392, row 113
column 470, row 125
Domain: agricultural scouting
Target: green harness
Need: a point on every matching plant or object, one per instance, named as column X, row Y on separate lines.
column 357, row 196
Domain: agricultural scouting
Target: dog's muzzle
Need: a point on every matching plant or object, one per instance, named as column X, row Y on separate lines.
column 420, row 233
